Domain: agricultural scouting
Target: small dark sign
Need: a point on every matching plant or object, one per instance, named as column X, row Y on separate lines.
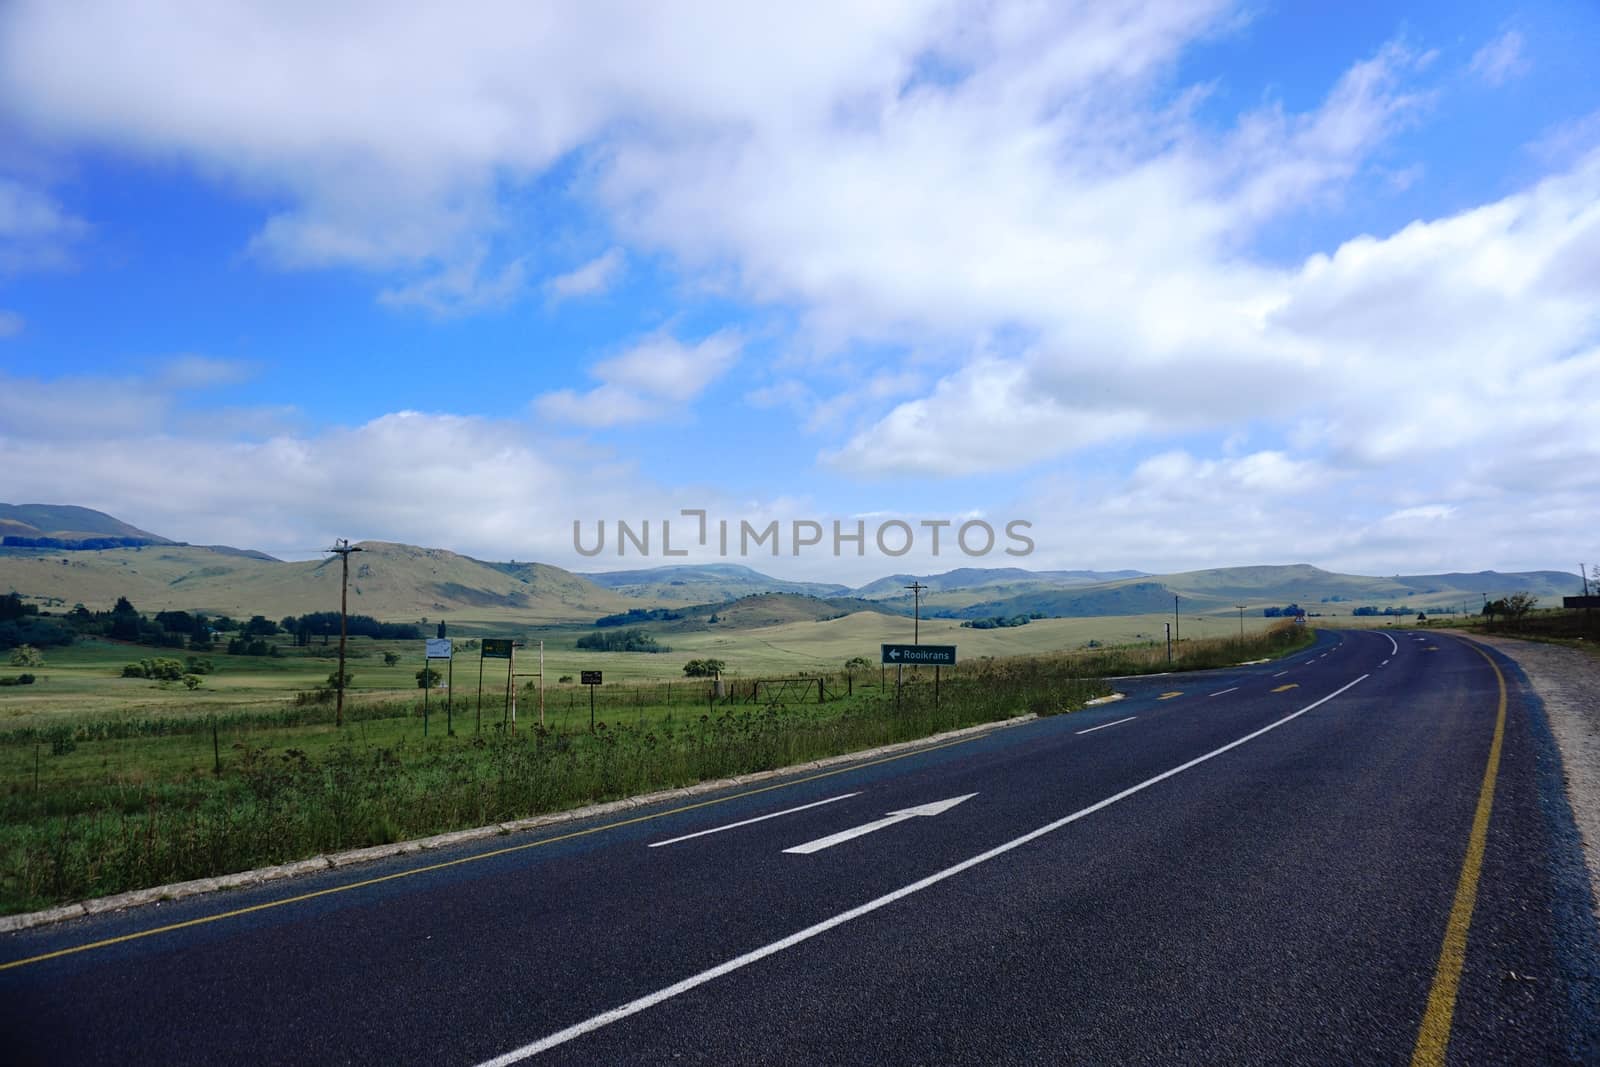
column 920, row 655
column 590, row 677
column 497, row 648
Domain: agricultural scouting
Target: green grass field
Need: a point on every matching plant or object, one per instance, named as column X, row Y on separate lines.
column 112, row 783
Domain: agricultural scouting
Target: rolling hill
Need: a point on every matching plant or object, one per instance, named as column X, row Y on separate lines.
column 67, row 522
column 403, row 582
column 703, row 584
column 387, row 581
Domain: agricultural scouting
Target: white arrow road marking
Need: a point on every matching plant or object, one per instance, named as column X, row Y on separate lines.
column 935, row 808
column 747, row 822
column 650, row 1000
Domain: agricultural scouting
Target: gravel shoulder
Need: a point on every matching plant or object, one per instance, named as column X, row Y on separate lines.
column 1567, row 680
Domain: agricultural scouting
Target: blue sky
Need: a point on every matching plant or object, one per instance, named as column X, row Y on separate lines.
column 1182, row 285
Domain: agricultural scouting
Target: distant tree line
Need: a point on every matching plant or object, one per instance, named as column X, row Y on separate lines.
column 1000, row 622
column 635, row 616
column 325, row 624
column 620, row 641
column 1288, row 611
column 85, row 544
column 21, row 624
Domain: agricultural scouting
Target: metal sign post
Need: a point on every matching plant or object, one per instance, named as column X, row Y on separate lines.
column 435, row 648
column 590, row 679
column 491, row 648
column 934, row 656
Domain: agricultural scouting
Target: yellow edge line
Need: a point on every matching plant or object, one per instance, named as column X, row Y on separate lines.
column 1433, row 1037
column 235, row 913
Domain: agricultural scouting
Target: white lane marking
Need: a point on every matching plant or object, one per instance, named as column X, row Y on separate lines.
column 1280, row 674
column 1395, row 647
column 747, row 822
column 1385, row 663
column 1104, row 725
column 937, row 807
column 633, row 1007
column 1219, row 692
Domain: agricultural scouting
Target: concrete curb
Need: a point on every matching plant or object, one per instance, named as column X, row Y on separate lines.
column 244, row 879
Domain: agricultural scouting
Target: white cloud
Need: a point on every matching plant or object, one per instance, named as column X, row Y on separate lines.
column 652, row 381
column 203, row 372
column 36, row 233
column 591, row 279
column 1501, row 59
column 461, row 287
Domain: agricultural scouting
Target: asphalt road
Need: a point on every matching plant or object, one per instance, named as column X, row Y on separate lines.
column 1254, row 865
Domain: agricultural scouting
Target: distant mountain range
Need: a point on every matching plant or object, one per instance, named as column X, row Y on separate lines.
column 404, row 582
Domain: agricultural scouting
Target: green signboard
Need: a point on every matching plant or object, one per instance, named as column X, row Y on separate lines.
column 496, row 648
column 920, row 655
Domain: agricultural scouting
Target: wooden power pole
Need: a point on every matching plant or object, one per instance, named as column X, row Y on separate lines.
column 343, row 549
column 916, row 588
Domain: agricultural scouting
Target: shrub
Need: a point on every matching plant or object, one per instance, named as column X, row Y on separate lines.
column 191, row 681
column 26, row 656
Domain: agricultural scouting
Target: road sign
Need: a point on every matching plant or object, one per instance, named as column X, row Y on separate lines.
column 438, row 648
column 590, row 677
column 497, row 648
column 920, row 655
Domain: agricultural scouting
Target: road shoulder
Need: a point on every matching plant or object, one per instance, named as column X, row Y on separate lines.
column 1567, row 682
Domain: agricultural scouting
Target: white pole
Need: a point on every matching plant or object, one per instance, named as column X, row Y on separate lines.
column 541, row 683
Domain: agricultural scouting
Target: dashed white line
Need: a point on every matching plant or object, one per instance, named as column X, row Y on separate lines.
column 1105, row 725
column 1219, row 692
column 758, row 818
column 633, row 1007
column 1280, row 674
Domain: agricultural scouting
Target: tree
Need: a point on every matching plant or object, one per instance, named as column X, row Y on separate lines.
column 1519, row 604
column 391, row 658
column 428, row 677
column 704, row 668
column 12, row 607
column 260, row 626
column 26, row 656
column 124, row 606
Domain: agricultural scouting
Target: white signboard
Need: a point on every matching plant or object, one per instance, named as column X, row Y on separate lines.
column 438, row 648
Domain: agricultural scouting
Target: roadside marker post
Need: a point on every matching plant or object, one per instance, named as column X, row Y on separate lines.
column 933, row 656
column 493, row 648
column 590, row 679
column 434, row 648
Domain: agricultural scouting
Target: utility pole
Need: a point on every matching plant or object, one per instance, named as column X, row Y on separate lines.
column 343, row 549
column 1177, row 629
column 916, row 588
column 1241, row 622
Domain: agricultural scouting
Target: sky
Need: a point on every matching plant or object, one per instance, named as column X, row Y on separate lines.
column 1175, row 285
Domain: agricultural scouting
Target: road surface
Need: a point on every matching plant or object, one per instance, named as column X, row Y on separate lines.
column 1360, row 854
